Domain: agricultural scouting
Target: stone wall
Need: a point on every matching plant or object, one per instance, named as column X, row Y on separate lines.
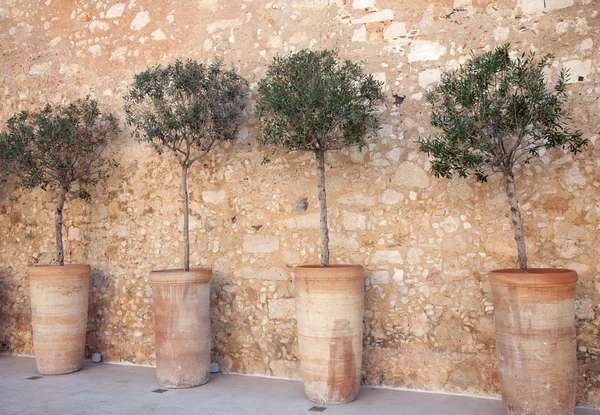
column 427, row 244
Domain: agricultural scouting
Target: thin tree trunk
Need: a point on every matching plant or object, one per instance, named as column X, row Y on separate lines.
column 186, row 219
column 511, row 193
column 323, row 208
column 58, row 226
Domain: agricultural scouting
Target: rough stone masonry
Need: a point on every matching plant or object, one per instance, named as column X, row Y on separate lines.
column 427, row 244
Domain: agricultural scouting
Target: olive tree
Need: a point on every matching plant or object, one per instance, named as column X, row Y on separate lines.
column 186, row 108
column 313, row 101
column 495, row 113
column 57, row 148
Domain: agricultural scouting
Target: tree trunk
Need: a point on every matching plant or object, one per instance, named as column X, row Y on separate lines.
column 186, row 219
column 511, row 192
column 58, row 212
column 323, row 208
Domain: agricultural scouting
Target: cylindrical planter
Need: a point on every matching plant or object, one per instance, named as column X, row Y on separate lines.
column 59, row 311
column 182, row 326
column 329, row 312
column 535, row 340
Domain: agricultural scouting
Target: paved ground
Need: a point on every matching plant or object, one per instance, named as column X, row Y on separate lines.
column 116, row 389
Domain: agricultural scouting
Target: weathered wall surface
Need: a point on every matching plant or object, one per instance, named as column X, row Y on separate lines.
column 427, row 244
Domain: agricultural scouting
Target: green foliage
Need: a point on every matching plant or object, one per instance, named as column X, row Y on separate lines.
column 59, row 145
column 496, row 112
column 186, row 108
column 312, row 101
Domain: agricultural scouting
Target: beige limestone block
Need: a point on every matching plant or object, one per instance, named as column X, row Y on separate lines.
column 298, row 37
column 429, row 77
column 310, row 221
column 40, row 69
column 220, row 25
column 116, row 10
column 391, row 197
column 119, row 54
column 98, row 25
column 558, row 4
column 411, row 175
column 74, row 233
column 389, row 257
column 214, row 197
column 275, row 42
column 360, row 34
column 260, row 244
column 95, row 50
column 395, row 31
column 68, row 70
column 578, row 68
column 363, row 4
column 379, row 278
column 501, row 33
column 357, row 199
column 393, row 156
column 354, row 221
column 459, row 4
column 413, row 256
column 158, row 35
column 140, row 21
column 378, row 16
column 425, row 50
column 194, row 223
column 345, row 244
column 266, row 274
column 282, row 308
column 212, row 5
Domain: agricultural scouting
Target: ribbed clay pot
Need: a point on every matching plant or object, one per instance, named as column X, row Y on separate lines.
column 329, row 312
column 535, row 340
column 182, row 326
column 59, row 311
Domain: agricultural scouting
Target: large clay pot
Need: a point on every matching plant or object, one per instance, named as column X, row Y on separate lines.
column 535, row 340
column 329, row 311
column 59, row 311
column 182, row 326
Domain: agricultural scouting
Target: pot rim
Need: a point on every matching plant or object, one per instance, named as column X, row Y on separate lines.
column 345, row 272
column 337, row 266
column 179, row 276
column 534, row 277
column 62, row 271
column 59, row 266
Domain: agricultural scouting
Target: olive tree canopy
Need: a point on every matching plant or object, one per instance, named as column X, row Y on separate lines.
column 494, row 113
column 57, row 147
column 186, row 108
column 314, row 101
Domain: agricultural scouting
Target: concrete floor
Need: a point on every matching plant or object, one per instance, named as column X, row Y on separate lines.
column 117, row 389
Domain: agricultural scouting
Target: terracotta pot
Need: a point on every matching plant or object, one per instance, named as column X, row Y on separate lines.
column 59, row 311
column 535, row 340
column 182, row 326
column 329, row 311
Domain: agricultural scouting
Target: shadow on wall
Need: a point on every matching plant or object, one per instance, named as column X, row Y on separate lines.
column 220, row 326
column 5, row 183
column 4, row 346
column 15, row 314
column 99, row 301
column 240, row 337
